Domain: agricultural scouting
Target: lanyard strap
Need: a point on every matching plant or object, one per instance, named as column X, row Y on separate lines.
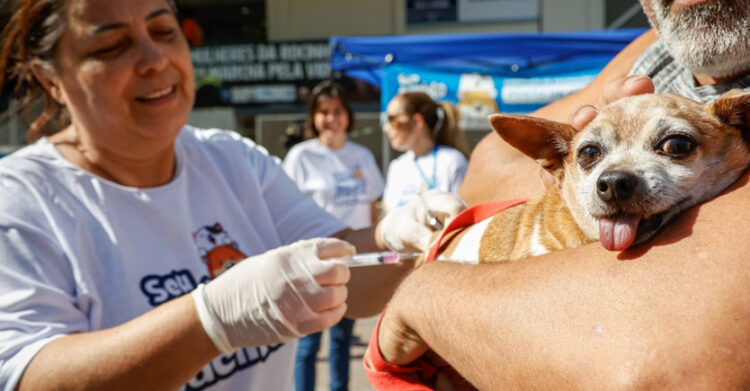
column 431, row 184
column 472, row 216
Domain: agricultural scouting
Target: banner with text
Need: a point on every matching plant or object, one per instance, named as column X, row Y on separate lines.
column 478, row 95
column 260, row 73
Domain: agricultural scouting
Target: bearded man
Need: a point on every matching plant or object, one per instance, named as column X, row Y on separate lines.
column 671, row 314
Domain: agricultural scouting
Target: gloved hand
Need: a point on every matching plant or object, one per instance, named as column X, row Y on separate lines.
column 276, row 296
column 407, row 227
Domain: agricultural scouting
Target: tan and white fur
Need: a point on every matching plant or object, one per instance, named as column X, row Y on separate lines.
column 621, row 179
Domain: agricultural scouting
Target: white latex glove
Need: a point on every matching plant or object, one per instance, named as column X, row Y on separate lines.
column 276, row 296
column 407, row 227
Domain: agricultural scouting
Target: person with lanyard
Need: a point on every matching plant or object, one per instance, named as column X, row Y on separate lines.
column 435, row 149
column 343, row 179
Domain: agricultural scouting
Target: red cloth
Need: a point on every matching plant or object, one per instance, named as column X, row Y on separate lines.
column 472, row 216
column 384, row 376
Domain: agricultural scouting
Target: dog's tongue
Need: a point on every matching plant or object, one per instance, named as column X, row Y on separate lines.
column 616, row 233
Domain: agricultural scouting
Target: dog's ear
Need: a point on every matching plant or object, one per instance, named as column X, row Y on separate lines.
column 733, row 109
column 548, row 142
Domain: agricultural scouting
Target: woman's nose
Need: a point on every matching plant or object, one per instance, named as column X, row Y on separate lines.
column 152, row 57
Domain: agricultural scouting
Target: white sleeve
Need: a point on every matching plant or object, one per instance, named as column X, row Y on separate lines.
column 460, row 165
column 388, row 188
column 38, row 294
column 295, row 215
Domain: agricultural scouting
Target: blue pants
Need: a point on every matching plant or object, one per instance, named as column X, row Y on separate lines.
column 338, row 358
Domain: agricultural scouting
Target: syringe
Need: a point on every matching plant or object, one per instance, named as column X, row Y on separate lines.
column 376, row 258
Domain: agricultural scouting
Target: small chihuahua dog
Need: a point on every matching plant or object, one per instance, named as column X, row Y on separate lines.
column 620, row 180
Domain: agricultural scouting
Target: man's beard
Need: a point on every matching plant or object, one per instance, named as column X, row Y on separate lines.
column 712, row 38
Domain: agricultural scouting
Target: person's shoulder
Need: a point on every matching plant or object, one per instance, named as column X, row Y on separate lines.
column 306, row 146
column 297, row 152
column 32, row 173
column 191, row 134
column 451, row 153
column 37, row 160
column 218, row 142
column 359, row 148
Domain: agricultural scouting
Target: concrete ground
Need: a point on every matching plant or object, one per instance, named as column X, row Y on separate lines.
column 357, row 378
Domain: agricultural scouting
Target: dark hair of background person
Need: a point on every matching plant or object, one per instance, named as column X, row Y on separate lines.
column 31, row 37
column 327, row 89
column 449, row 134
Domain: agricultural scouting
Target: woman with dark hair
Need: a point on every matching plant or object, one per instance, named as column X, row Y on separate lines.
column 435, row 149
column 343, row 178
column 123, row 230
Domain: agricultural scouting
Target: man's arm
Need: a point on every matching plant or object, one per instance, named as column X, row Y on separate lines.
column 671, row 314
column 498, row 171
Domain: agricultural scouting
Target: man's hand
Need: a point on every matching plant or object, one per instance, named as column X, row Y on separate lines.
column 398, row 343
column 616, row 89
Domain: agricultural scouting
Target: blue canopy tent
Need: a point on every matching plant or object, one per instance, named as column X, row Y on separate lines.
column 519, row 72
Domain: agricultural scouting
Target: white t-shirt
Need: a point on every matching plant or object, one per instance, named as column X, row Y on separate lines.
column 404, row 180
column 79, row 253
column 342, row 181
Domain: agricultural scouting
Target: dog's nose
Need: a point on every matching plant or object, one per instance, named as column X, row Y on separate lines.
column 616, row 185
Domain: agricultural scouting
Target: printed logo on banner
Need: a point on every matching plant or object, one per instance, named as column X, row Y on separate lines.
column 437, row 90
column 476, row 100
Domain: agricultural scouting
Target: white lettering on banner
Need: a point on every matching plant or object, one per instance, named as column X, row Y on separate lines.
column 412, row 82
column 263, row 93
column 203, row 56
column 233, row 73
column 407, row 79
column 541, row 90
column 317, row 70
column 285, row 71
column 282, row 71
column 304, row 52
column 266, row 52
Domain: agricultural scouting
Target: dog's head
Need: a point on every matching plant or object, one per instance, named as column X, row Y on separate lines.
column 642, row 160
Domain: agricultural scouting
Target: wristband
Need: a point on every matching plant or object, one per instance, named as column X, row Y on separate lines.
column 210, row 324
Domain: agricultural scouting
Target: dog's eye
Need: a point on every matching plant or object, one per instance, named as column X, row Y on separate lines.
column 588, row 155
column 676, row 146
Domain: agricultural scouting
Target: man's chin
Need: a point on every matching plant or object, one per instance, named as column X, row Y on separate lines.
column 700, row 59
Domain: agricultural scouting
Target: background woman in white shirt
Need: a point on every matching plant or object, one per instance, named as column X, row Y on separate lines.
column 435, row 149
column 343, row 178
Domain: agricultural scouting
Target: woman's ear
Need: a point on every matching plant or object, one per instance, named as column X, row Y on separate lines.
column 45, row 75
column 419, row 121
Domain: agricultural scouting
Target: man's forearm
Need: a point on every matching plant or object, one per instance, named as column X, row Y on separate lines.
column 162, row 349
column 672, row 314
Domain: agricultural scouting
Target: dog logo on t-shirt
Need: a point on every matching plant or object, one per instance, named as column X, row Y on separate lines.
column 217, row 249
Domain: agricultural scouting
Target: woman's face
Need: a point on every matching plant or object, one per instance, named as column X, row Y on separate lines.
column 124, row 73
column 399, row 127
column 331, row 119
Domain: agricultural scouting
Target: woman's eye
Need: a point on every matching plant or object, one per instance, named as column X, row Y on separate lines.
column 676, row 146
column 588, row 156
column 109, row 49
column 164, row 32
